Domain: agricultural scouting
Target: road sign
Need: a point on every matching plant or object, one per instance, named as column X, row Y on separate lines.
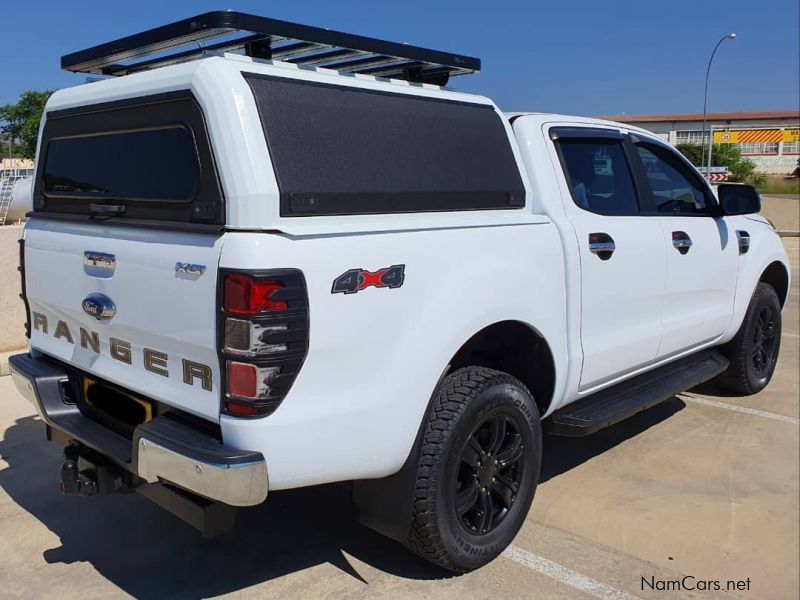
column 726, row 137
column 756, row 135
column 716, row 173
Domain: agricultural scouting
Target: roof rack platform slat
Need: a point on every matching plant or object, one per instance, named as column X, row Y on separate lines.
column 310, row 45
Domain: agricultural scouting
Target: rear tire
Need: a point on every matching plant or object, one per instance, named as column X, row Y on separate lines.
column 753, row 352
column 478, row 469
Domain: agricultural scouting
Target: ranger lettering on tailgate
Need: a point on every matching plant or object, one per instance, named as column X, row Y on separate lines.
column 155, row 361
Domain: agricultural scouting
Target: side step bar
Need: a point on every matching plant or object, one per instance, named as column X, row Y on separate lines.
column 614, row 404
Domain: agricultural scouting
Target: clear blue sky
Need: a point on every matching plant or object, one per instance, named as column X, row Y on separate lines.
column 582, row 57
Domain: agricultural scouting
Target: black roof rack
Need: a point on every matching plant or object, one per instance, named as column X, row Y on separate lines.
column 269, row 39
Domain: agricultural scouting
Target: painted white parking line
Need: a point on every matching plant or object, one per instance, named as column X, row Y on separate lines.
column 743, row 409
column 564, row 575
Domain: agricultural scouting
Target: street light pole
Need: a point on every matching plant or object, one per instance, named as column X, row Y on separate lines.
column 730, row 36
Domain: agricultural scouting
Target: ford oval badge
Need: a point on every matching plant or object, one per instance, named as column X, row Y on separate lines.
column 99, row 306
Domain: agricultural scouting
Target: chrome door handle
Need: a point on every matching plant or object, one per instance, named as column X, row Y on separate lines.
column 602, row 245
column 681, row 241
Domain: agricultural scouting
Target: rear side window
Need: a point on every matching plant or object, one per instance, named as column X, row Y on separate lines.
column 599, row 176
column 147, row 157
column 109, row 166
column 338, row 150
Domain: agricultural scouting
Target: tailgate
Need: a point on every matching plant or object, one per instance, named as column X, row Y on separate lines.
column 133, row 306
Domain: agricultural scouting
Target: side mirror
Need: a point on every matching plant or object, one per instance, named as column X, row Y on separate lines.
column 738, row 199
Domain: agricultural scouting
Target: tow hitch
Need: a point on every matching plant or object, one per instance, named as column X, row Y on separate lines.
column 86, row 473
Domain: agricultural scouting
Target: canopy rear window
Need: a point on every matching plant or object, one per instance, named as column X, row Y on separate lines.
column 109, row 166
column 148, row 157
column 340, row 150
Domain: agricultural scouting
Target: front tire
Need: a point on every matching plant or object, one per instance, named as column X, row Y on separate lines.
column 478, row 469
column 753, row 352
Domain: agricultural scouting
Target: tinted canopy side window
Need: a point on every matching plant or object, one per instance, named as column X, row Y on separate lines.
column 149, row 156
column 675, row 188
column 339, row 150
column 599, row 176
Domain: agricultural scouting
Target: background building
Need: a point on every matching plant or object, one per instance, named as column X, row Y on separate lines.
column 18, row 166
column 770, row 139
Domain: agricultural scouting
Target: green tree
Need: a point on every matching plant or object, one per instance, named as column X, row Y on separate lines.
column 693, row 152
column 726, row 155
column 19, row 122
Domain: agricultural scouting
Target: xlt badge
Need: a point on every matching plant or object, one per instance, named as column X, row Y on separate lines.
column 189, row 270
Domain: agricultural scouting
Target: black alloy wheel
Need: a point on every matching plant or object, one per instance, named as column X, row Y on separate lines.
column 753, row 352
column 765, row 341
column 489, row 476
column 478, row 466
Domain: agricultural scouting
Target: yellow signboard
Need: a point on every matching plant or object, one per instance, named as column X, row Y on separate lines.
column 756, row 135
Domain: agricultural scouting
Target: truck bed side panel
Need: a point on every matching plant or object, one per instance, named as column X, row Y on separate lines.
column 375, row 356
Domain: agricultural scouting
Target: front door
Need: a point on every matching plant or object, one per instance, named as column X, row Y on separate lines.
column 702, row 251
column 622, row 255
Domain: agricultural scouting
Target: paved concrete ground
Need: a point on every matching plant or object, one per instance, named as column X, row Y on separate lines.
column 687, row 488
column 783, row 211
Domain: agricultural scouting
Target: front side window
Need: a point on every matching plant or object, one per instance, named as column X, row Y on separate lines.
column 675, row 190
column 599, row 176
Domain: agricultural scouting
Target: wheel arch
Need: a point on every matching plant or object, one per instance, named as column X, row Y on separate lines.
column 515, row 348
column 777, row 276
column 511, row 346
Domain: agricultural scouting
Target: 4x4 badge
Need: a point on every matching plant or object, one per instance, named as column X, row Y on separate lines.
column 355, row 280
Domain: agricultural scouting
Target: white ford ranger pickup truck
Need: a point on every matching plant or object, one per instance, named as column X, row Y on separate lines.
column 292, row 257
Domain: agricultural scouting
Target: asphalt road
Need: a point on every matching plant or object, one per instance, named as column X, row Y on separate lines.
column 702, row 485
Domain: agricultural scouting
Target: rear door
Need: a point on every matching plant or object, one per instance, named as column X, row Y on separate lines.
column 122, row 250
column 702, row 250
column 622, row 254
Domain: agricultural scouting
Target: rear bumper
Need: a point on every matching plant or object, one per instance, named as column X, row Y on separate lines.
column 161, row 451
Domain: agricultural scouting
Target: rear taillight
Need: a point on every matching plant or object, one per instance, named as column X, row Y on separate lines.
column 245, row 295
column 263, row 336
